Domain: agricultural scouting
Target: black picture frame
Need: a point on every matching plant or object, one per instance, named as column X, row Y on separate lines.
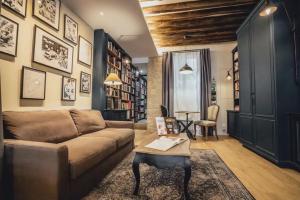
column 15, row 11
column 79, row 47
column 65, row 18
column 42, row 20
column 22, row 83
column 33, row 51
column 81, row 86
column 62, row 89
column 16, row 46
column 170, row 124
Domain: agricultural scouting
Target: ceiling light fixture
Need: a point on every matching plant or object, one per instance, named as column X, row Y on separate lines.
column 269, row 8
column 101, row 13
column 186, row 69
column 228, row 77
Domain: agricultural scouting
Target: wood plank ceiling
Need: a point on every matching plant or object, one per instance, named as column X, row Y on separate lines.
column 195, row 22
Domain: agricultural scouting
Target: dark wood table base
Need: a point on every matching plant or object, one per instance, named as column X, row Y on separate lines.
column 162, row 162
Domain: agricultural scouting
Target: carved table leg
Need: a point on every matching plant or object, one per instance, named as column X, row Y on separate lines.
column 136, row 172
column 187, row 176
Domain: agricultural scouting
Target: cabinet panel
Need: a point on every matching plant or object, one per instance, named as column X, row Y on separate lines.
column 265, row 135
column 246, row 133
column 245, row 72
column 230, row 123
column 262, row 69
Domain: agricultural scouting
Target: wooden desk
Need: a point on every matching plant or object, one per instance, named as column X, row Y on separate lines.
column 188, row 123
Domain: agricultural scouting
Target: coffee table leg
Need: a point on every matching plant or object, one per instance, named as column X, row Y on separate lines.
column 136, row 172
column 187, row 176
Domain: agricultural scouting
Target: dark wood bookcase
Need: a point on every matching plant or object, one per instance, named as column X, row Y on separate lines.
column 141, row 98
column 236, row 79
column 115, row 102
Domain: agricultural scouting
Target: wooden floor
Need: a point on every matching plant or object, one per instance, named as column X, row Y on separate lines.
column 263, row 179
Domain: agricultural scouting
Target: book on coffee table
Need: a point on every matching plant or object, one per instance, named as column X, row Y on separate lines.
column 165, row 143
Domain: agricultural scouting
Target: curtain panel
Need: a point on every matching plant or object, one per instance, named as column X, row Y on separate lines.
column 205, row 79
column 168, row 82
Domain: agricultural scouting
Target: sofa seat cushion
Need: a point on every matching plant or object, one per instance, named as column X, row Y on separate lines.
column 40, row 126
column 121, row 135
column 88, row 121
column 86, row 152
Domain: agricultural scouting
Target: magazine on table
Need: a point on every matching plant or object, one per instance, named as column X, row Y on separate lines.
column 165, row 143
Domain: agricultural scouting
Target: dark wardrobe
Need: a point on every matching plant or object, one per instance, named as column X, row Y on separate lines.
column 268, row 90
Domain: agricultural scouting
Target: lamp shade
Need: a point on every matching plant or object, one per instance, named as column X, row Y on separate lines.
column 186, row 69
column 268, row 9
column 113, row 79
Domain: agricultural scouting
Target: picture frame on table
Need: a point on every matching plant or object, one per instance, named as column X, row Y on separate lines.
column 19, row 7
column 33, row 84
column 70, row 30
column 48, row 11
column 171, row 125
column 85, row 82
column 161, row 126
column 52, row 52
column 68, row 89
column 85, row 51
column 9, row 31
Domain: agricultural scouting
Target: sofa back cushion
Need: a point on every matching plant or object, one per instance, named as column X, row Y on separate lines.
column 88, row 121
column 40, row 126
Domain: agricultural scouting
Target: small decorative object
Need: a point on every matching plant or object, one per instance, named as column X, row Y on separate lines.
column 85, row 51
column 213, row 91
column 113, row 80
column 18, row 6
column 33, row 84
column 71, row 30
column 170, row 124
column 8, row 36
column 68, row 89
column 52, row 52
column 161, row 126
column 85, row 82
column 48, row 11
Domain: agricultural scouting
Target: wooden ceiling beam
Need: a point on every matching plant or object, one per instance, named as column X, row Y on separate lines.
column 193, row 35
column 195, row 5
column 194, row 15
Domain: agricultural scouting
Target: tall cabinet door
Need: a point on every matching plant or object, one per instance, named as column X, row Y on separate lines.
column 245, row 85
column 263, row 85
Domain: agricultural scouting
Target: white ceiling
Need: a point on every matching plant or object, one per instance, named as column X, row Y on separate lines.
column 122, row 19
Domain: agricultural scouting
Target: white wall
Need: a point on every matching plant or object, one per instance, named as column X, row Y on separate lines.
column 221, row 61
column 10, row 68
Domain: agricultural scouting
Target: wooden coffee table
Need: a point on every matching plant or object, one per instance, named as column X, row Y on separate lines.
column 178, row 156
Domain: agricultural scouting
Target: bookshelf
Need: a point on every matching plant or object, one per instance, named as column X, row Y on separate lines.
column 141, row 98
column 236, row 79
column 115, row 102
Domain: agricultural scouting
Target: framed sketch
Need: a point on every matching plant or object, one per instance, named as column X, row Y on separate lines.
column 71, row 30
column 18, row 6
column 85, row 82
column 171, row 125
column 68, row 89
column 161, row 126
column 8, row 36
column 47, row 11
column 85, row 51
column 33, row 84
column 50, row 51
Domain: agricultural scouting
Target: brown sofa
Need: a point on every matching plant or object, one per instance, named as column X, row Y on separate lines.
column 53, row 155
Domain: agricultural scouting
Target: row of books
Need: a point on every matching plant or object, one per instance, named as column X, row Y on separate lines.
column 112, row 70
column 127, row 88
column 127, row 105
column 113, row 61
column 112, row 92
column 113, row 49
column 113, row 104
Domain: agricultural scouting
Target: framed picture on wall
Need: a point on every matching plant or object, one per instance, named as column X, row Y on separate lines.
column 8, row 36
column 68, row 89
column 85, row 82
column 70, row 30
column 51, row 51
column 85, row 51
column 33, row 84
column 47, row 11
column 18, row 6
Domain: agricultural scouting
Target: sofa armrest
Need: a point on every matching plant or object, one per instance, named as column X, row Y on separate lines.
column 120, row 124
column 36, row 170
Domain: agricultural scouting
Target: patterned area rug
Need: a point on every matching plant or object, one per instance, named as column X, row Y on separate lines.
column 211, row 179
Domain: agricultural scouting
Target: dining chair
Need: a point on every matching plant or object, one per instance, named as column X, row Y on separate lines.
column 211, row 121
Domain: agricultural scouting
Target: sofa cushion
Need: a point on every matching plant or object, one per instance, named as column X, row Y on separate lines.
column 121, row 135
column 40, row 126
column 86, row 152
column 88, row 121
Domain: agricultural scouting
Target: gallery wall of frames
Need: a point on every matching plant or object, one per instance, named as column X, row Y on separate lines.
column 45, row 56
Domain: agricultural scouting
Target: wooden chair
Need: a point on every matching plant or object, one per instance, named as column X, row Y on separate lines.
column 213, row 112
column 165, row 113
